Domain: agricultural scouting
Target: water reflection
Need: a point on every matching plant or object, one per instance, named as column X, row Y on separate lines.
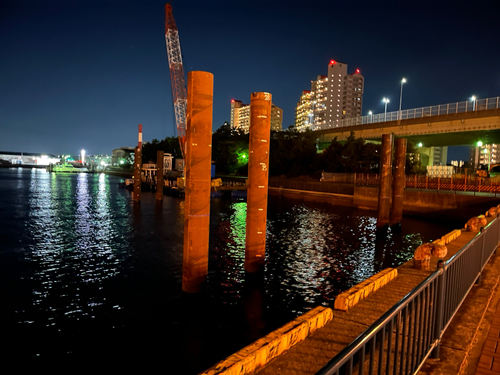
column 96, row 274
column 313, row 253
column 74, row 245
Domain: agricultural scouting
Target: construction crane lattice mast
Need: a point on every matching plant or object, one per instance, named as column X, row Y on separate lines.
column 179, row 93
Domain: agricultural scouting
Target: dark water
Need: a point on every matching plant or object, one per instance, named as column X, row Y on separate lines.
column 89, row 278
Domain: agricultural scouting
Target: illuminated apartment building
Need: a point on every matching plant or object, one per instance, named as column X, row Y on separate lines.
column 334, row 97
column 240, row 116
column 304, row 111
column 486, row 155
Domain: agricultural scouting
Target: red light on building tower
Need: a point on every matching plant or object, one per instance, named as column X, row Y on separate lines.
column 232, row 100
column 357, row 71
column 332, row 62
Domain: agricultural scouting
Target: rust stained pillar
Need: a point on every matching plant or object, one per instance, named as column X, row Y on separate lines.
column 258, row 161
column 137, row 174
column 160, row 183
column 384, row 193
column 398, row 185
column 198, row 161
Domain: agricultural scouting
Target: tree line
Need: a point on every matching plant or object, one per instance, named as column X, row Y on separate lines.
column 292, row 154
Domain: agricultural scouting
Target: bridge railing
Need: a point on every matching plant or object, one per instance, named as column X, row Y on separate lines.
column 403, row 338
column 436, row 110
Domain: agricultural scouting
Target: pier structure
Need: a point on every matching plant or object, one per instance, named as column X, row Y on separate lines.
column 398, row 185
column 258, row 181
column 160, row 181
column 384, row 194
column 198, row 180
column 137, row 167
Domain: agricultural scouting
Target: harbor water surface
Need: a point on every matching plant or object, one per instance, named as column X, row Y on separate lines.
column 89, row 277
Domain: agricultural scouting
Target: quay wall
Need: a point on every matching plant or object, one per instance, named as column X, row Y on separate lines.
column 443, row 204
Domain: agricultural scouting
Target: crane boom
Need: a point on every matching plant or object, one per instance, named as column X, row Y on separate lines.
column 179, row 93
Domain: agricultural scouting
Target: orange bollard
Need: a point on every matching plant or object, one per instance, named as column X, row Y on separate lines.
column 258, row 161
column 384, row 194
column 197, row 171
column 160, row 182
column 398, row 186
column 137, row 174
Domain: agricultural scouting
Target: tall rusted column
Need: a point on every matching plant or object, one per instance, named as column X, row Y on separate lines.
column 398, row 185
column 197, row 171
column 137, row 174
column 160, row 183
column 384, row 193
column 258, row 161
column 137, row 167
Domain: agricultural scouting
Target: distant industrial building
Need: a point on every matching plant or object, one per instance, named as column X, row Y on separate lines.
column 332, row 98
column 240, row 116
column 27, row 158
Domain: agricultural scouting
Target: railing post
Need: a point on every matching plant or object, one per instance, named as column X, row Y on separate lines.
column 480, row 268
column 439, row 307
column 497, row 221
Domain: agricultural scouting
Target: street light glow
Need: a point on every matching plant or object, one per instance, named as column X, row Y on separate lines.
column 479, row 143
column 401, row 97
column 385, row 100
column 420, row 144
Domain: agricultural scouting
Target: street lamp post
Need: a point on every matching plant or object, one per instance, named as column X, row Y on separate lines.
column 473, row 102
column 386, row 101
column 401, row 97
column 370, row 113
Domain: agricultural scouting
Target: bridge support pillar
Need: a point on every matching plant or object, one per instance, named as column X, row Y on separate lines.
column 398, row 185
column 137, row 174
column 258, row 161
column 384, row 193
column 160, row 182
column 197, row 171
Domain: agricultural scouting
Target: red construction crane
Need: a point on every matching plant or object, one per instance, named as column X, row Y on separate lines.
column 179, row 93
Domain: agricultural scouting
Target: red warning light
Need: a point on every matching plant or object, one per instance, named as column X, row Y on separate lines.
column 232, row 100
column 357, row 71
column 332, row 62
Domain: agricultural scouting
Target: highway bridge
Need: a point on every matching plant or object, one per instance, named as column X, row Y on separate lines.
column 453, row 124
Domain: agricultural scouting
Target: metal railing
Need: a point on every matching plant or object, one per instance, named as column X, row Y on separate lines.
column 322, row 187
column 402, row 339
column 455, row 183
column 435, row 110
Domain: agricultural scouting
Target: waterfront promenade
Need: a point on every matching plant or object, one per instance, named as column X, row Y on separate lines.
column 467, row 347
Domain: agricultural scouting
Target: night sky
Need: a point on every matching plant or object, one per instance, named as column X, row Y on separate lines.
column 84, row 73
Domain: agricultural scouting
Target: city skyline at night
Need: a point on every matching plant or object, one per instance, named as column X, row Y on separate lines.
column 84, row 74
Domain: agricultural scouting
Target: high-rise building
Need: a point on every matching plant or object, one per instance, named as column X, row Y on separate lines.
column 304, row 111
column 485, row 155
column 240, row 116
column 334, row 97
